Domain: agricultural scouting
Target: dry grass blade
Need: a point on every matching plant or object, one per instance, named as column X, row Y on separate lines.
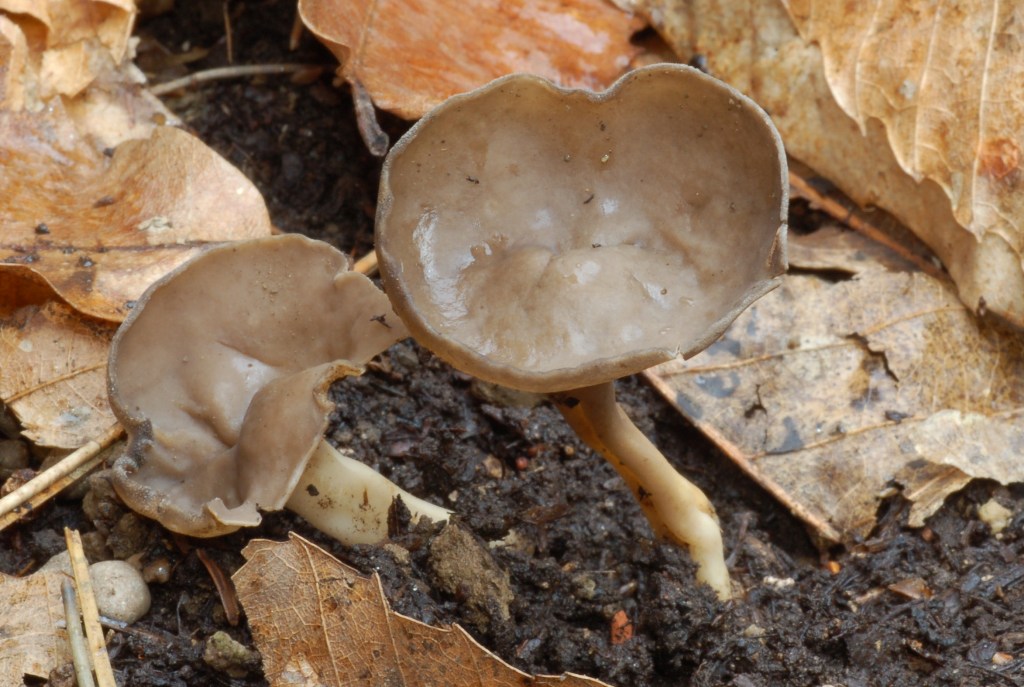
column 76, row 636
column 50, row 482
column 90, row 613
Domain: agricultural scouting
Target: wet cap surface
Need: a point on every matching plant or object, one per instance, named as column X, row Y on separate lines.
column 547, row 239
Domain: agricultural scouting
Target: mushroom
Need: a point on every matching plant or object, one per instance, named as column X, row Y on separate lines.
column 220, row 376
column 554, row 240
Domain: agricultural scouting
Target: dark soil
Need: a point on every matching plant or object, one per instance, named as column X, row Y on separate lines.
column 943, row 605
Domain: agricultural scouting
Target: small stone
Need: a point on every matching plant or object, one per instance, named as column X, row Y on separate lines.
column 584, row 587
column 493, row 467
column 754, row 631
column 225, row 654
column 995, row 515
column 121, row 593
column 779, row 582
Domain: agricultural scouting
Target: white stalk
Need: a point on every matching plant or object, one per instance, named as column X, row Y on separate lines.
column 349, row 500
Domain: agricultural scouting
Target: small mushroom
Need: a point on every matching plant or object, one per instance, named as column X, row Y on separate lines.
column 220, row 376
column 554, row 240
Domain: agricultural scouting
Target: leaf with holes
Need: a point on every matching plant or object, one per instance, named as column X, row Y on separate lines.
column 830, row 393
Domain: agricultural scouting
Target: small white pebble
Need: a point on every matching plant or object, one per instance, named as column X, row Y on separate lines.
column 778, row 582
column 995, row 515
column 121, row 593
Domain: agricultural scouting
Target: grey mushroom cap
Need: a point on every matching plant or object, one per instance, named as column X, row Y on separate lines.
column 548, row 239
column 220, row 376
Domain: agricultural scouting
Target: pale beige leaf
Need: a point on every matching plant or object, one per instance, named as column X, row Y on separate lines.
column 412, row 54
column 316, row 621
column 945, row 79
column 941, row 85
column 71, row 43
column 100, row 228
column 13, row 54
column 829, row 393
column 53, row 377
column 32, row 637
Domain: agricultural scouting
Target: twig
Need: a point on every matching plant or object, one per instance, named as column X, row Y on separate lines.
column 228, row 33
column 90, row 614
column 235, row 72
column 366, row 265
column 295, row 37
column 853, row 218
column 225, row 587
column 366, row 120
column 76, row 636
column 51, row 481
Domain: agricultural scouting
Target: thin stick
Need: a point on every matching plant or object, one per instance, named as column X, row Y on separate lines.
column 90, row 614
column 228, row 33
column 76, row 636
column 49, row 482
column 235, row 72
column 295, row 37
column 852, row 217
column 225, row 588
column 366, row 265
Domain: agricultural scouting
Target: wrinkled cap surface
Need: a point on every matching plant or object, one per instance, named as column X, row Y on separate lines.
column 548, row 239
column 220, row 376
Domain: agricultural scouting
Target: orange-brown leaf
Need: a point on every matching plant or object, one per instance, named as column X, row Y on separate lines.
column 317, row 621
column 101, row 228
column 412, row 54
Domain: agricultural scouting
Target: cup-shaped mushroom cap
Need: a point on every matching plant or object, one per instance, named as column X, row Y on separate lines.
column 547, row 239
column 220, row 376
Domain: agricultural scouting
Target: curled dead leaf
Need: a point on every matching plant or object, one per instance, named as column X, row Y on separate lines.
column 100, row 228
column 829, row 392
column 317, row 621
column 62, row 46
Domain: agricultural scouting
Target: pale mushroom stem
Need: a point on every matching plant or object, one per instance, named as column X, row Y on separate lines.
column 349, row 500
column 675, row 507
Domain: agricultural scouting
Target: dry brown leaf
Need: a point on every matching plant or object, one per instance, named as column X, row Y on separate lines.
column 101, row 228
column 412, row 54
column 32, row 637
column 955, row 176
column 829, row 392
column 54, row 364
column 69, row 43
column 316, row 621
